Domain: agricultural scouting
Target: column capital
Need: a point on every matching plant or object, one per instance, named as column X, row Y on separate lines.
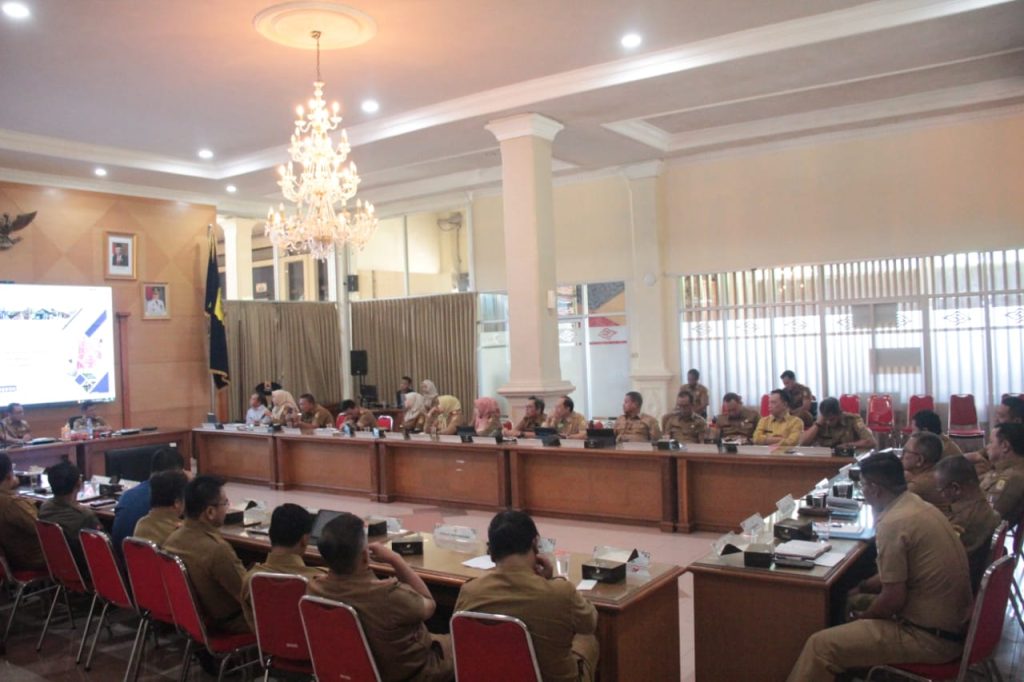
column 524, row 125
column 648, row 169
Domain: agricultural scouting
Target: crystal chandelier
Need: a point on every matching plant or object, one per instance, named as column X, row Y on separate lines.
column 321, row 192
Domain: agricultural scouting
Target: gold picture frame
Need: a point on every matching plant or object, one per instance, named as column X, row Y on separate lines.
column 156, row 301
column 119, row 255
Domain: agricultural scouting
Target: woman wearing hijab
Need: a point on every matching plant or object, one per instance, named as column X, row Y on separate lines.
column 429, row 391
column 285, row 410
column 415, row 412
column 445, row 416
column 487, row 417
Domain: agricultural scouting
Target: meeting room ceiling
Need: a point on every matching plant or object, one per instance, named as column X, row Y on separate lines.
column 138, row 87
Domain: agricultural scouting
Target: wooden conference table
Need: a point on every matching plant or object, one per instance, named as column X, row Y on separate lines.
column 90, row 455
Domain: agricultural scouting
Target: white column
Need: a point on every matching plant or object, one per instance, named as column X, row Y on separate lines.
column 647, row 292
column 529, row 224
column 237, row 258
column 344, row 317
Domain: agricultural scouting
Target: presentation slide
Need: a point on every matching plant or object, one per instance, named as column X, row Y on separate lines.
column 56, row 344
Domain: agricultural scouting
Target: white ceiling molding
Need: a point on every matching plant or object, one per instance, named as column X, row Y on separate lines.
column 643, row 132
column 524, row 125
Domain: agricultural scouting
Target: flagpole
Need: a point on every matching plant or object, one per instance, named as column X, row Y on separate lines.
column 209, row 376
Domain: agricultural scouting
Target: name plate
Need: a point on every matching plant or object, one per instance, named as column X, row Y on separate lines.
column 450, row 439
column 324, row 432
column 423, row 437
column 485, row 440
column 637, row 447
column 529, row 443
column 291, row 431
column 364, row 435
column 572, row 444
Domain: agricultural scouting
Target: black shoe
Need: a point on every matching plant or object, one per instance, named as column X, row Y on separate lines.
column 209, row 664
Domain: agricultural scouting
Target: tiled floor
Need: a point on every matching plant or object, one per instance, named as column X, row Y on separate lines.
column 56, row 662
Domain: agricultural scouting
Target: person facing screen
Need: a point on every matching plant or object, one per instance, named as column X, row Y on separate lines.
column 89, row 419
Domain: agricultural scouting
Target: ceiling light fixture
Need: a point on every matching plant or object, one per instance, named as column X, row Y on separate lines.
column 371, row 106
column 100, row 172
column 324, row 183
column 205, row 154
column 231, row 189
column 17, row 10
column 631, row 40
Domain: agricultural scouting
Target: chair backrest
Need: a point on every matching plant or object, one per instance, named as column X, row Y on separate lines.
column 5, row 571
column 492, row 648
column 181, row 597
column 60, row 562
column 386, row 421
column 764, row 405
column 962, row 411
column 507, row 425
column 917, row 403
column 880, row 411
column 106, row 575
column 275, row 608
column 986, row 627
column 849, row 402
column 337, row 644
column 598, row 424
column 144, row 575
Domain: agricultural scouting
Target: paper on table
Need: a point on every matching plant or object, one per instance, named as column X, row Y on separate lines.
column 482, row 562
column 829, row 559
column 585, row 585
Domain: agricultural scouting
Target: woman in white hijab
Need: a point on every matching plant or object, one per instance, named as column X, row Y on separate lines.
column 429, row 391
column 415, row 412
column 284, row 406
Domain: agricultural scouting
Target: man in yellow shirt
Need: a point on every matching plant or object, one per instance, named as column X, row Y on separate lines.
column 780, row 427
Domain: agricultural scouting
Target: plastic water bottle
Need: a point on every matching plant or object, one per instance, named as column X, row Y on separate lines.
column 88, row 427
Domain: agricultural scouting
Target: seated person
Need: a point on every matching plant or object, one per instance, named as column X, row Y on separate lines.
column 444, row 417
column 258, row 414
column 290, row 526
column 284, row 410
column 415, row 412
column 392, row 611
column 429, row 391
column 166, row 503
column 213, row 567
column 921, row 453
column 64, row 510
column 736, row 421
column 779, row 427
column 1004, row 484
column 312, row 415
column 699, row 392
column 805, row 417
column 533, row 418
column 1009, row 411
column 922, row 588
column 135, row 503
column 404, row 389
column 561, row 622
column 358, row 418
column 928, row 421
column 800, row 397
column 684, row 425
column 486, row 417
column 13, row 427
column 89, row 419
column 568, row 423
column 19, row 541
column 633, row 426
column 969, row 512
column 835, row 428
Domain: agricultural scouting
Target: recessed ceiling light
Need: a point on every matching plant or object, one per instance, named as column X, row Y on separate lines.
column 16, row 10
column 205, row 154
column 101, row 172
column 631, row 40
column 231, row 189
column 371, row 106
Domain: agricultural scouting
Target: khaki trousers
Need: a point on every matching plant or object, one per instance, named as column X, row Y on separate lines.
column 585, row 649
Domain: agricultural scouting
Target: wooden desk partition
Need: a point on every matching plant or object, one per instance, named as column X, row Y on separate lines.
column 328, row 464
column 92, row 453
column 236, row 455
column 614, row 485
column 471, row 475
column 43, row 455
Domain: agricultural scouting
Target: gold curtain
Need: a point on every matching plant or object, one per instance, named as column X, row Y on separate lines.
column 295, row 344
column 428, row 337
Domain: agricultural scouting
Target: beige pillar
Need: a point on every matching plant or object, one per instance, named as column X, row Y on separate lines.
column 647, row 292
column 237, row 258
column 529, row 258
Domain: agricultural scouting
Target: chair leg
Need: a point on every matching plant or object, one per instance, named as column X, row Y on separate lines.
column 223, row 667
column 49, row 615
column 131, row 672
column 1017, row 601
column 88, row 625
column 95, row 638
column 187, row 661
column 67, row 604
column 14, row 609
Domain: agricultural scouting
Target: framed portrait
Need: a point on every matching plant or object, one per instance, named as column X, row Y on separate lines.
column 119, row 255
column 156, row 303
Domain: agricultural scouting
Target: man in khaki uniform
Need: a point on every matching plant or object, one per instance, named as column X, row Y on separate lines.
column 213, row 567
column 1009, row 411
column 18, row 539
column 290, row 526
column 65, row 482
column 970, row 513
column 359, row 418
column 920, row 455
column 633, row 426
column 923, row 588
column 736, row 421
column 699, row 392
column 569, row 424
column 13, row 427
column 562, row 624
column 312, row 415
column 684, row 424
column 1004, row 485
column 929, row 421
column 533, row 418
column 835, row 428
column 780, row 427
column 392, row 611
column 167, row 501
column 799, row 395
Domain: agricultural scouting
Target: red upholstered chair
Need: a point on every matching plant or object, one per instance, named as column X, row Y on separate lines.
column 340, row 421
column 983, row 635
column 337, row 644
column 849, row 402
column 492, row 648
column 143, row 567
column 279, row 634
column 963, row 417
column 21, row 581
column 107, row 581
column 60, row 562
column 386, row 421
column 188, row 620
column 880, row 415
column 507, row 425
column 764, row 405
column 916, row 404
column 598, row 424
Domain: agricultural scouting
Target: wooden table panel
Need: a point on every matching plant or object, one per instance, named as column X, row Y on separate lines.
column 320, row 463
column 236, row 456
column 43, row 455
column 92, row 453
column 442, row 473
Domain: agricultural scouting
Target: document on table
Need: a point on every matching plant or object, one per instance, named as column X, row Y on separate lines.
column 482, row 562
column 829, row 559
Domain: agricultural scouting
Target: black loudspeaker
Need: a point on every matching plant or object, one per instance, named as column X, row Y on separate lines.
column 352, row 282
column 359, row 362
